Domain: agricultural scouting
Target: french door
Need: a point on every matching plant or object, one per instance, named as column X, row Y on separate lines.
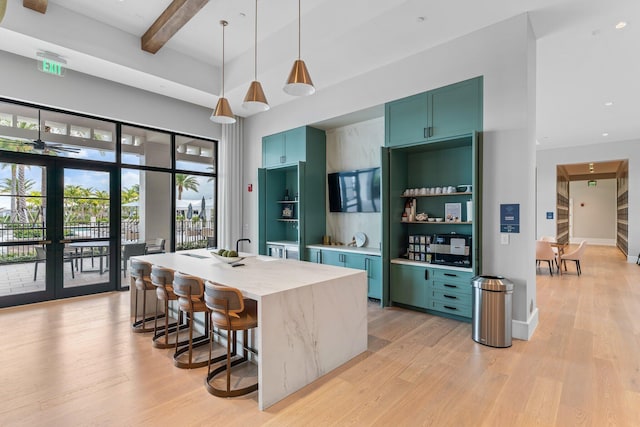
column 57, row 229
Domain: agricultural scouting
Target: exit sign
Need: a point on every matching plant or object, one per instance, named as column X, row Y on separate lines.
column 51, row 67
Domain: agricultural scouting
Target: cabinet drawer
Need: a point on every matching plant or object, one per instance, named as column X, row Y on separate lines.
column 455, row 286
column 452, row 276
column 456, row 298
column 451, row 308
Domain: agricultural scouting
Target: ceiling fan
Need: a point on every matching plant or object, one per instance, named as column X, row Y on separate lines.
column 47, row 147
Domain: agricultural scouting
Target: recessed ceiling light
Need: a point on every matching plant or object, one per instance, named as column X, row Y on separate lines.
column 608, row 103
column 620, row 25
column 605, row 134
column 420, row 18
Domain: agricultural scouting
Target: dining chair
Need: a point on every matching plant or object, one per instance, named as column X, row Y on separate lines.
column 41, row 256
column 155, row 246
column 130, row 250
column 574, row 256
column 544, row 252
column 550, row 239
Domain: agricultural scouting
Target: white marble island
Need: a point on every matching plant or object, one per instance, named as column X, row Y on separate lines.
column 312, row 318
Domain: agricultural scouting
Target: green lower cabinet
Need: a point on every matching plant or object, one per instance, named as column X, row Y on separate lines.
column 314, row 255
column 410, row 285
column 373, row 266
column 451, row 292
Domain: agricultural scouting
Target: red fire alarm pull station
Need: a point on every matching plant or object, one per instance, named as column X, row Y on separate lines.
column 250, row 188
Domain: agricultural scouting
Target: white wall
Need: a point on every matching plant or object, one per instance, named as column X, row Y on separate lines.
column 77, row 92
column 352, row 147
column 594, row 211
column 505, row 55
column 547, row 160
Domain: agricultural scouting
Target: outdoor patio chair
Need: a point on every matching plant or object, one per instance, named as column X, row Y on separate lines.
column 41, row 256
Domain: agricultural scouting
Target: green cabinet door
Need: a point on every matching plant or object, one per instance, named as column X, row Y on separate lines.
column 295, row 142
column 314, row 255
column 455, row 109
column 409, row 285
column 273, row 150
column 333, row 258
column 373, row 265
column 406, row 120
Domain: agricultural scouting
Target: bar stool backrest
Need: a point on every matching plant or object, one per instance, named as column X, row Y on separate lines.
column 223, row 299
column 141, row 270
column 188, row 289
column 162, row 279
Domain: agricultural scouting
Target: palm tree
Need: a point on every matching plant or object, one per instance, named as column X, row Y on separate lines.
column 185, row 182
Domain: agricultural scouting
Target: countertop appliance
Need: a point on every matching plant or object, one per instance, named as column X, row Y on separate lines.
column 287, row 250
column 451, row 249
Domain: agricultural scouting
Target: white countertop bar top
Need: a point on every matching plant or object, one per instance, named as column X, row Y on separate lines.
column 345, row 248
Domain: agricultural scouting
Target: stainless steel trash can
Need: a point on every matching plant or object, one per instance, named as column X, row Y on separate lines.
column 492, row 306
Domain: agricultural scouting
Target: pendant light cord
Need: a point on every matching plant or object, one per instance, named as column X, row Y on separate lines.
column 255, row 45
column 224, row 24
column 299, row 42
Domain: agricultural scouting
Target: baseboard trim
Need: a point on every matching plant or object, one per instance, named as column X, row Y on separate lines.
column 524, row 330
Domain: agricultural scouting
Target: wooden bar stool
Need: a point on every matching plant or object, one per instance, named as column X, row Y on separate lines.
column 162, row 279
column 190, row 292
column 140, row 271
column 231, row 312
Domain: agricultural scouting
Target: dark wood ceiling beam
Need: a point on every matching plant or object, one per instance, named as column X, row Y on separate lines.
column 37, row 5
column 178, row 13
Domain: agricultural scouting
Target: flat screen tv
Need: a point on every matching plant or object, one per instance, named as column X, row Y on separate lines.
column 354, row 191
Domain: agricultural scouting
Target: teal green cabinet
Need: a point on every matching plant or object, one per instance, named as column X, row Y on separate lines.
column 410, row 285
column 451, row 292
column 373, row 266
column 407, row 120
column 291, row 188
column 285, row 148
column 444, row 112
column 455, row 109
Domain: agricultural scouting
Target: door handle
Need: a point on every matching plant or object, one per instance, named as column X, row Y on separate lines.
column 64, row 241
column 44, row 242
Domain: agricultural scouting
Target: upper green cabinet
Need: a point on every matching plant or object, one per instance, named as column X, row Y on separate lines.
column 285, row 148
column 291, row 188
column 443, row 112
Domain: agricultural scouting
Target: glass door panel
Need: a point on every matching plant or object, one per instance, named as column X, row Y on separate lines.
column 23, row 224
column 86, row 226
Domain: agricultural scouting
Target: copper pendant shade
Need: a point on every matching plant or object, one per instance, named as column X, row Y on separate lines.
column 299, row 82
column 222, row 113
column 255, row 101
column 3, row 8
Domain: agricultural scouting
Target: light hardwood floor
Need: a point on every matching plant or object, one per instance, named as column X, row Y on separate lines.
column 76, row 363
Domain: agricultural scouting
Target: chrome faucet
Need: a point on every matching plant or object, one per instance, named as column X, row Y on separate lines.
column 238, row 243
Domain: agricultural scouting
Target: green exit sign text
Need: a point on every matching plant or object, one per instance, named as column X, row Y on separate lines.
column 51, row 67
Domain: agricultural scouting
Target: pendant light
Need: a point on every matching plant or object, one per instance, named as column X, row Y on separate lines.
column 255, row 101
column 223, row 114
column 299, row 82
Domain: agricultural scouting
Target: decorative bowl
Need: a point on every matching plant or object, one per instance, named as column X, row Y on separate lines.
column 438, row 219
column 227, row 259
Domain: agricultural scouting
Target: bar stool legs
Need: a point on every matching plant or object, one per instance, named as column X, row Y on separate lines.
column 140, row 271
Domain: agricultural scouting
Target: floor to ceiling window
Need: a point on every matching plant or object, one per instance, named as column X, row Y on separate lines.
column 78, row 193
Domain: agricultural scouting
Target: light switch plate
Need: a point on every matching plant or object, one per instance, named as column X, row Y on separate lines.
column 504, row 238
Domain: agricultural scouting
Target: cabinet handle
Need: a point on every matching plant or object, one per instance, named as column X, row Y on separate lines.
column 318, row 257
column 430, row 131
column 449, row 307
column 367, row 262
column 450, row 296
column 426, row 132
column 283, row 159
column 450, row 275
column 426, row 275
column 449, row 286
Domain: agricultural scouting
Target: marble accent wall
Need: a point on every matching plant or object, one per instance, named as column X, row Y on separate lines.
column 355, row 146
